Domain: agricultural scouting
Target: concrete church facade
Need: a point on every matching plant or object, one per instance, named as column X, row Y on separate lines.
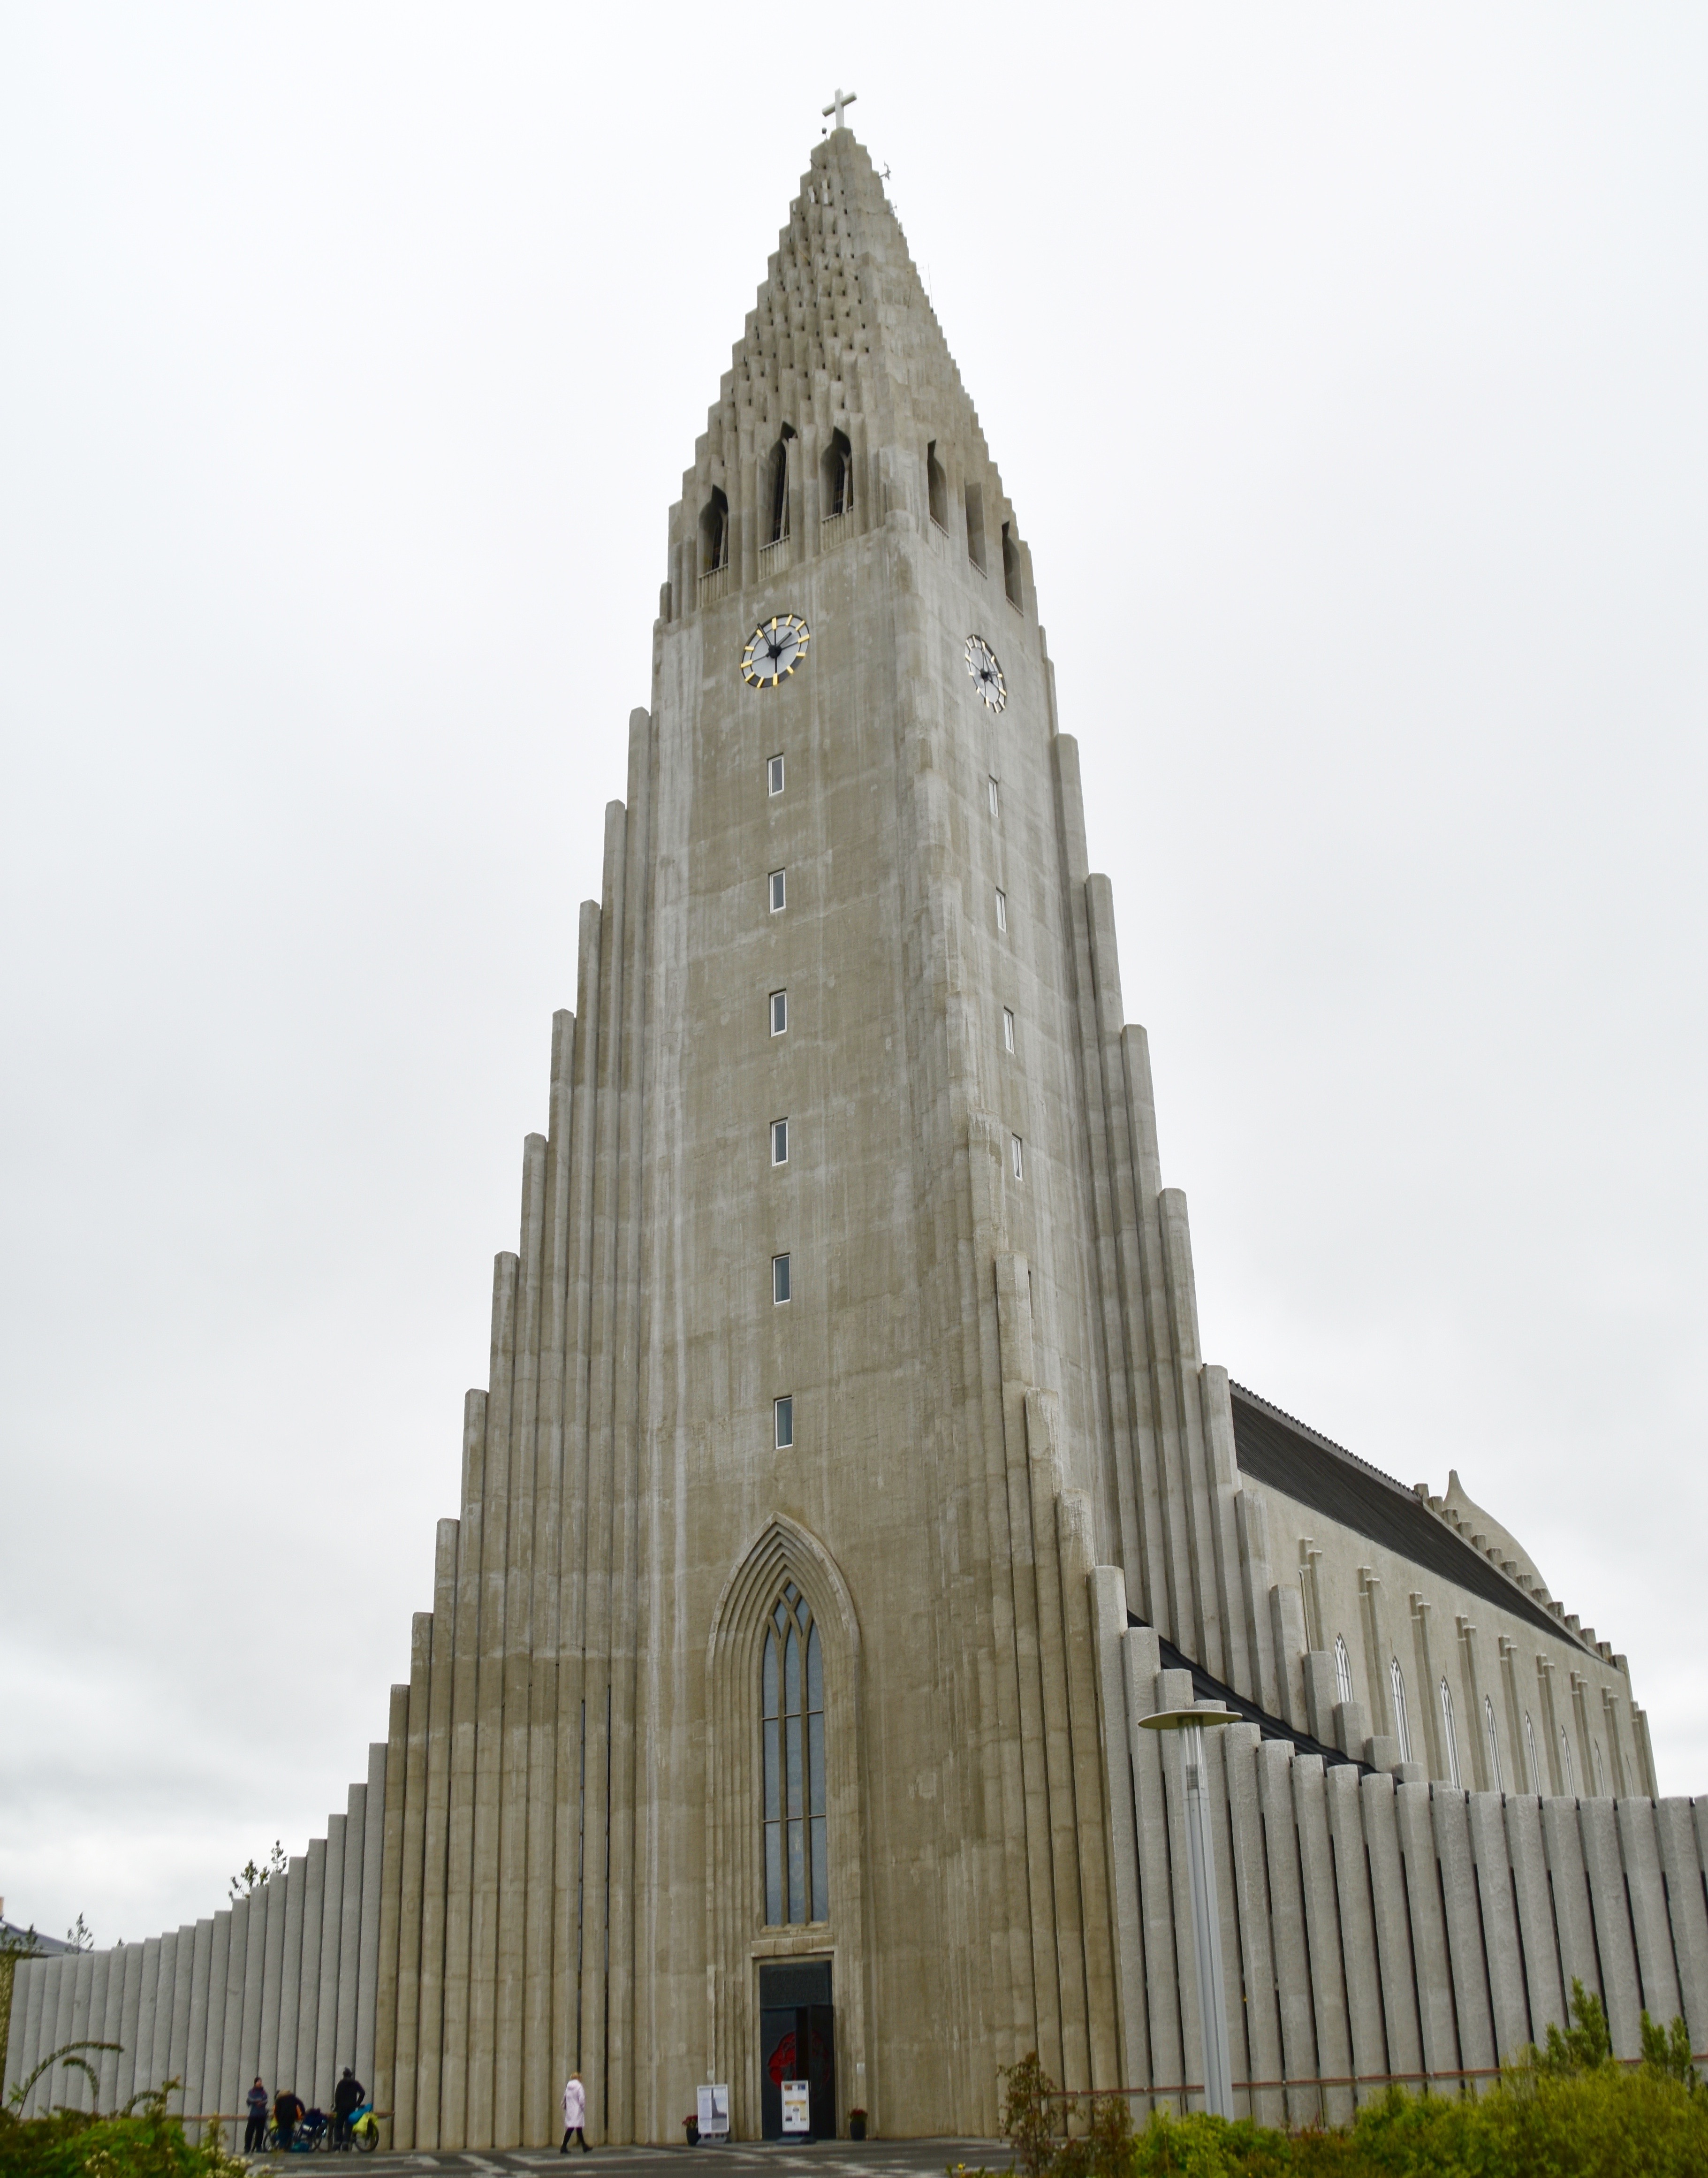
column 849, row 1480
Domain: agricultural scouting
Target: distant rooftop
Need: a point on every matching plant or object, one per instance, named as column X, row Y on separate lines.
column 10, row 1933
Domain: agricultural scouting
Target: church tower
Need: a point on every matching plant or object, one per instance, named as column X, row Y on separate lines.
column 850, row 1475
column 870, row 1350
column 849, row 1483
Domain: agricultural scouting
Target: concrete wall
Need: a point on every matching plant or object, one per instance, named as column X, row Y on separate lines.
column 1372, row 1927
column 214, row 2002
column 1564, row 1716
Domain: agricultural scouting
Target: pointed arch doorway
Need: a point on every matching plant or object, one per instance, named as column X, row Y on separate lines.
column 797, row 2046
column 785, row 1856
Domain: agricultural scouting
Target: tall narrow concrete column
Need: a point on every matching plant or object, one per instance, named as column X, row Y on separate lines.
column 1206, row 1913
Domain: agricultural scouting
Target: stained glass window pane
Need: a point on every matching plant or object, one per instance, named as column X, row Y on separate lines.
column 793, row 1756
column 773, row 1874
column 795, row 1831
column 797, row 1873
column 820, row 1872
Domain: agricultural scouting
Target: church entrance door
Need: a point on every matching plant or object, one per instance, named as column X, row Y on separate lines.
column 797, row 2041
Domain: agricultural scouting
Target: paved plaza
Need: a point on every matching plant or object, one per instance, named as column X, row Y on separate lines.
column 822, row 2159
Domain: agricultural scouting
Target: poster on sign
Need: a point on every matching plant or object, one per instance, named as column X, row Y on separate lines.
column 797, row 2106
column 714, row 2113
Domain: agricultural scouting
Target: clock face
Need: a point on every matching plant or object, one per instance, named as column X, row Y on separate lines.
column 981, row 663
column 774, row 649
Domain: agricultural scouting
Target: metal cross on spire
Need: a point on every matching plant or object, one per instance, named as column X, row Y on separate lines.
column 842, row 99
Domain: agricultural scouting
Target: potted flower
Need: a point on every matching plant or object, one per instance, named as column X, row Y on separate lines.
column 856, row 2124
column 690, row 2125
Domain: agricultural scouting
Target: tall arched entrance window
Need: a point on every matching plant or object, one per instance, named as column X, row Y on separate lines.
column 796, row 1858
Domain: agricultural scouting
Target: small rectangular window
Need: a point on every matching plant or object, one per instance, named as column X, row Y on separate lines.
column 779, row 890
column 779, row 1141
column 1017, row 1152
column 783, row 1414
column 779, row 1280
column 773, row 774
column 779, row 1012
column 1002, row 910
column 995, row 798
column 1007, row 1029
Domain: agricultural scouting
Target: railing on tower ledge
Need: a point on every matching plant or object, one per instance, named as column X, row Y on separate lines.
column 714, row 583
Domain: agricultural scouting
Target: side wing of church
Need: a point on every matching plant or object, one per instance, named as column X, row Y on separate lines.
column 849, row 1482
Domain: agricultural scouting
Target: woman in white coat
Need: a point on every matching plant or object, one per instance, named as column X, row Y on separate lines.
column 575, row 2113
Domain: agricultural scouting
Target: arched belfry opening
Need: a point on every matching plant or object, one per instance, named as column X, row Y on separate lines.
column 776, row 489
column 975, row 525
column 1011, row 568
column 784, row 1832
column 714, row 533
column 836, row 478
column 937, row 488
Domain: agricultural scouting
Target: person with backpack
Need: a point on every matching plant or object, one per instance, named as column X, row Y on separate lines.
column 287, row 2114
column 348, row 2097
column 255, row 2132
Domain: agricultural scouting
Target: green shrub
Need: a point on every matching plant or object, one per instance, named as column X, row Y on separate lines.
column 73, row 2144
column 131, row 2143
column 1566, row 2111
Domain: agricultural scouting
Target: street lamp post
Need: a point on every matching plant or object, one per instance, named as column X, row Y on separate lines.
column 1206, row 1921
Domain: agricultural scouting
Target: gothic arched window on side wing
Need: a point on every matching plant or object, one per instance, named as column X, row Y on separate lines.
column 795, row 1850
column 1450, row 1735
column 1402, row 1722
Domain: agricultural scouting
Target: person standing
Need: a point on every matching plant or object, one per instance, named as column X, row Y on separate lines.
column 348, row 2097
column 255, row 2132
column 287, row 2116
column 574, row 2114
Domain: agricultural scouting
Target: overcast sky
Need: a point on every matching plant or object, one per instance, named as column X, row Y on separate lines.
column 1346, row 368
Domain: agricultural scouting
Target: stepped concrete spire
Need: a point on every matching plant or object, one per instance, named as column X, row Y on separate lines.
column 849, row 1481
